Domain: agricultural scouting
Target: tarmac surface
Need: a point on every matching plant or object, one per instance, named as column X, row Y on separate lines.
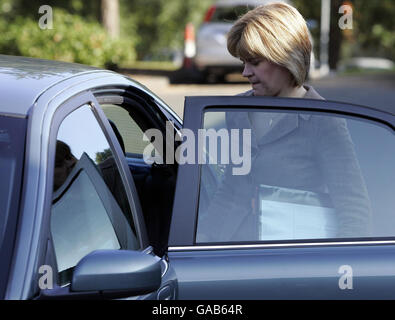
column 375, row 90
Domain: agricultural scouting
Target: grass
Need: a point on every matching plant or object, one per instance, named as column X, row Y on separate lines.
column 152, row 65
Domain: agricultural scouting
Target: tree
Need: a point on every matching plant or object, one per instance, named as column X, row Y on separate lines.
column 373, row 28
column 110, row 17
column 103, row 156
column 311, row 10
column 73, row 37
column 89, row 10
column 335, row 35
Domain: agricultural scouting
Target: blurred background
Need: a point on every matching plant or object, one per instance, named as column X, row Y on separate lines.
column 184, row 41
column 122, row 32
column 99, row 32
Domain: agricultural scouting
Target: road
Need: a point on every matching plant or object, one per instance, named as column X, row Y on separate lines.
column 372, row 90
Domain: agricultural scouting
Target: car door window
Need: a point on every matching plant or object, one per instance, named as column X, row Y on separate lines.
column 90, row 209
column 310, row 176
column 131, row 133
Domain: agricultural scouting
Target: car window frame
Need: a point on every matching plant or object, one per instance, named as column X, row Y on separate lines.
column 62, row 111
column 9, row 235
column 184, row 226
column 151, row 112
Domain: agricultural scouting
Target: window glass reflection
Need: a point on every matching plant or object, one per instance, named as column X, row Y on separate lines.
column 313, row 176
column 90, row 208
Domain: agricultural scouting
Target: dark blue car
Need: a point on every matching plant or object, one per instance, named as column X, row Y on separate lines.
column 105, row 193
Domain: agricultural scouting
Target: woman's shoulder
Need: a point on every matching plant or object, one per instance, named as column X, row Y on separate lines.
column 311, row 93
column 248, row 93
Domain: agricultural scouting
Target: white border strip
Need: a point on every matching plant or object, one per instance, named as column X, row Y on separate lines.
column 277, row 245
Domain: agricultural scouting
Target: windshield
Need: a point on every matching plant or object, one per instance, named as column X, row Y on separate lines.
column 12, row 142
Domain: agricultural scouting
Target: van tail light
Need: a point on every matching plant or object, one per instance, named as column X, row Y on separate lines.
column 209, row 14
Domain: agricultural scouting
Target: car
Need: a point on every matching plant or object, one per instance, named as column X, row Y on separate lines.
column 212, row 60
column 96, row 204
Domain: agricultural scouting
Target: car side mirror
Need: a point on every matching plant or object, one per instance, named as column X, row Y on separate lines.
column 117, row 270
column 106, row 274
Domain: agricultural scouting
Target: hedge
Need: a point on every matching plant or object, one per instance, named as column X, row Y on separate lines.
column 71, row 39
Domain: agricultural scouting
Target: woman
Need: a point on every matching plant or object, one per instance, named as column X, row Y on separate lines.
column 294, row 156
column 274, row 44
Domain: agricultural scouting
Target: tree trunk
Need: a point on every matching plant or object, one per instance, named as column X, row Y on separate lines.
column 335, row 35
column 110, row 16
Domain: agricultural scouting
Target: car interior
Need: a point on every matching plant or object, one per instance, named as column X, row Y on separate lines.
column 155, row 183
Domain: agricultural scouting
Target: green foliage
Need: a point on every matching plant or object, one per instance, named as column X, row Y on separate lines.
column 160, row 24
column 149, row 28
column 89, row 9
column 373, row 32
column 102, row 156
column 311, row 10
column 72, row 39
column 374, row 27
column 155, row 28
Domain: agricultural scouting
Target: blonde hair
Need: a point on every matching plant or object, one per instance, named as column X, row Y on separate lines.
column 276, row 32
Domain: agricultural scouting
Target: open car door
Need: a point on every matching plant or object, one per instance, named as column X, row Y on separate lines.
column 284, row 199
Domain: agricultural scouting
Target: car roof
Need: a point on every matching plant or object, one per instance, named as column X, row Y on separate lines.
column 24, row 79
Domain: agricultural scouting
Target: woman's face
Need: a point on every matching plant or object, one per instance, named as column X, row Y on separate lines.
column 267, row 78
